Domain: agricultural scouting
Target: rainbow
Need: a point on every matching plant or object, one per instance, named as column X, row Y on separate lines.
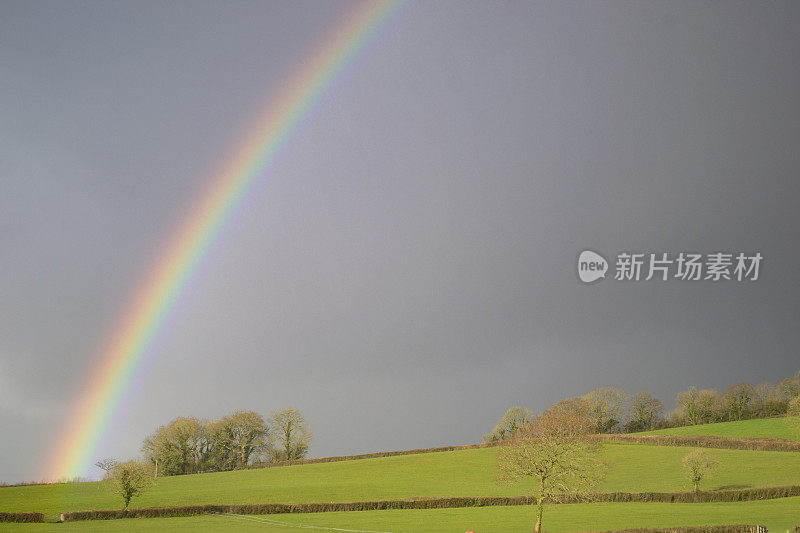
column 127, row 347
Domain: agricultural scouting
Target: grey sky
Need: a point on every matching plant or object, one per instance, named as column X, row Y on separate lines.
column 406, row 271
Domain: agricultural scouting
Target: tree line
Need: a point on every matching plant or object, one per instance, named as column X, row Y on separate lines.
column 555, row 450
column 189, row 445
column 612, row 410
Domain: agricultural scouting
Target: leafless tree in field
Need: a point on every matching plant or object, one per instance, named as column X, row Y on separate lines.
column 291, row 434
column 555, row 450
column 697, row 465
column 107, row 465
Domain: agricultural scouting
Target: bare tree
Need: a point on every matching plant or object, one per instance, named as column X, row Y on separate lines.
column 791, row 386
column 514, row 419
column 736, row 400
column 107, row 465
column 698, row 464
column 645, row 412
column 686, row 406
column 577, row 406
column 555, row 451
column 794, row 407
column 606, row 406
column 794, row 411
column 768, row 400
column 291, row 434
column 129, row 480
column 696, row 406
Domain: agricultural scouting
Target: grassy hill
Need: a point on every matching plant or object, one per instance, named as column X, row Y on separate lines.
column 773, row 428
column 633, row 468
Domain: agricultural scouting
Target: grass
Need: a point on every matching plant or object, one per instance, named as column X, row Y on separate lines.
column 773, row 428
column 634, row 468
column 777, row 515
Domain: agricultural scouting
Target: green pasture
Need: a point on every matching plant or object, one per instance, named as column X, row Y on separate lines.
column 633, row 468
column 777, row 515
column 773, row 428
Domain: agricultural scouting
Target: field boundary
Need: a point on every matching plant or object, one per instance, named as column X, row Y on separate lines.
column 700, row 441
column 372, row 455
column 732, row 528
column 737, row 495
column 704, row 441
column 25, row 518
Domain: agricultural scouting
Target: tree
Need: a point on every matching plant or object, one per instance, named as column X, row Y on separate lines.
column 698, row 464
column 686, row 406
column 575, row 406
column 555, row 451
column 768, row 400
column 708, row 405
column 606, row 407
column 790, row 387
column 180, row 447
column 645, row 412
column 736, row 400
column 291, row 434
column 696, row 407
column 238, row 438
column 130, row 479
column 794, row 410
column 107, row 465
column 794, row 407
column 153, row 452
column 514, row 419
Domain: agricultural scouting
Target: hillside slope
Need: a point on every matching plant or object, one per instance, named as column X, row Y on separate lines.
column 633, row 468
column 773, row 428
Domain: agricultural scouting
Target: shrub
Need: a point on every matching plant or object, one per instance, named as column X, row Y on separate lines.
column 697, row 464
column 129, row 479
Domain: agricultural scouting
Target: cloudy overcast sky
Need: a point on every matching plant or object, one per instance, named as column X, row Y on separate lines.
column 407, row 269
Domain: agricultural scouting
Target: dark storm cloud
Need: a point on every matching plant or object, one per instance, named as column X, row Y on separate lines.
column 406, row 271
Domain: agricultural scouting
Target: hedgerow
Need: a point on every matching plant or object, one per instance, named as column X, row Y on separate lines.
column 734, row 528
column 27, row 518
column 737, row 495
column 706, row 441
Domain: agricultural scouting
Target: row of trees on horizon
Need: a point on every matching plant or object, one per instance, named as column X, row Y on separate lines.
column 241, row 439
column 188, row 445
column 612, row 410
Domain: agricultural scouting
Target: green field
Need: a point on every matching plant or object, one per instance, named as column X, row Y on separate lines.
column 777, row 515
column 633, row 468
column 772, row 428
